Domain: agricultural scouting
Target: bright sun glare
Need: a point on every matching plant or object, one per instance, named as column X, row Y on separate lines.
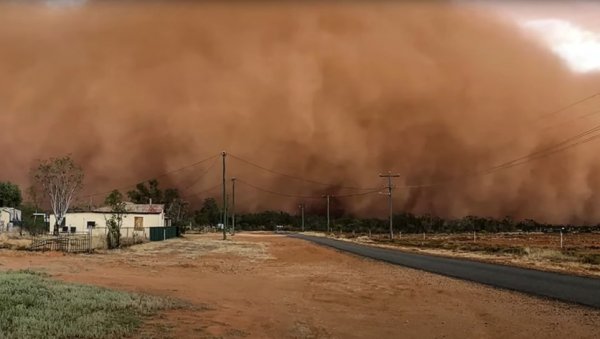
column 580, row 48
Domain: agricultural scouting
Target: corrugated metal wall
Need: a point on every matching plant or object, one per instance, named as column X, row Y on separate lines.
column 163, row 233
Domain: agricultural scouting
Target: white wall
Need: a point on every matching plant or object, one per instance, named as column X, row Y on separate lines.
column 7, row 215
column 79, row 220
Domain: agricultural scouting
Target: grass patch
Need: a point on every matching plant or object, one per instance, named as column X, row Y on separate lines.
column 585, row 254
column 33, row 306
column 591, row 258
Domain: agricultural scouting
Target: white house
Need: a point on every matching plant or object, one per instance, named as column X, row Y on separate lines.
column 8, row 217
column 138, row 219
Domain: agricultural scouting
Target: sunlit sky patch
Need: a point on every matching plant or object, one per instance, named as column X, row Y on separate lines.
column 570, row 29
column 579, row 47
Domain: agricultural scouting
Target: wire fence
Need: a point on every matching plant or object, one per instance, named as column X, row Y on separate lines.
column 82, row 242
column 70, row 243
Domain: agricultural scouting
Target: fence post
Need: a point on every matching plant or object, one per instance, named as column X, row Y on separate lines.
column 561, row 239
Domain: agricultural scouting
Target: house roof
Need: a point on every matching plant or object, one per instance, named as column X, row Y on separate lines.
column 9, row 209
column 134, row 208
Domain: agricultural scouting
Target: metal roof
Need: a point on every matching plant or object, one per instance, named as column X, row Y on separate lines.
column 134, row 208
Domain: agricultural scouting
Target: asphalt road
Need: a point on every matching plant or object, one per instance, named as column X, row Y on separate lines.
column 573, row 289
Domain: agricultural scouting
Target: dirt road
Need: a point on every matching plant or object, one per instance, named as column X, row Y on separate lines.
column 271, row 286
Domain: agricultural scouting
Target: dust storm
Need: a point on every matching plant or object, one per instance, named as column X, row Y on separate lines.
column 332, row 92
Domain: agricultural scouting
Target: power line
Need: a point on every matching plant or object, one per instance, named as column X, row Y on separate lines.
column 356, row 194
column 277, row 193
column 197, row 179
column 299, row 178
column 568, row 143
column 509, row 164
column 301, row 196
column 155, row 177
column 202, row 192
column 553, row 113
column 562, row 123
column 563, row 145
column 550, row 152
column 390, row 188
column 564, row 108
column 558, row 146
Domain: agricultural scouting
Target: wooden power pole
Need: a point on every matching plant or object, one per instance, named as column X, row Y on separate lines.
column 390, row 187
column 328, row 197
column 224, row 154
column 302, row 212
column 233, row 206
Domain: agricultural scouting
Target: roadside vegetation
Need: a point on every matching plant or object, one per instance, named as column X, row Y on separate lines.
column 34, row 306
column 580, row 253
column 582, row 248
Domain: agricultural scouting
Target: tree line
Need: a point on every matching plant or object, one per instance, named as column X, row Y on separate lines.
column 58, row 180
column 209, row 214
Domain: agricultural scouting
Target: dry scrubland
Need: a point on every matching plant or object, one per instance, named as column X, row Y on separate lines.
column 14, row 241
column 270, row 286
column 580, row 253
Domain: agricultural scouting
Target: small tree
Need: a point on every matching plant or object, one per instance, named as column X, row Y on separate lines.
column 209, row 214
column 142, row 193
column 10, row 195
column 118, row 209
column 60, row 179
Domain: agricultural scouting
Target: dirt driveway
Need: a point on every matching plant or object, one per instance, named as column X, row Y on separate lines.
column 270, row 286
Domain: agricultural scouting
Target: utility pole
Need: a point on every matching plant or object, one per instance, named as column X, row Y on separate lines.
column 224, row 154
column 233, row 206
column 302, row 212
column 328, row 218
column 390, row 187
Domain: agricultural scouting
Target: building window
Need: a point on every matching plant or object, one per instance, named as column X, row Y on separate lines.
column 138, row 223
column 91, row 224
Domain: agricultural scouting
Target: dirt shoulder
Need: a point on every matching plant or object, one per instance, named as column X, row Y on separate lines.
column 272, row 286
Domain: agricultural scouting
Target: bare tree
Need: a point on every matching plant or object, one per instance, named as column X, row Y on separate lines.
column 60, row 179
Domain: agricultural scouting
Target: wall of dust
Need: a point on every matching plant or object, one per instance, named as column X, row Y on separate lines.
column 332, row 92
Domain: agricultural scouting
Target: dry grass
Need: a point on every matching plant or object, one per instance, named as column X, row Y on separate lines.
column 14, row 241
column 196, row 246
column 581, row 254
column 99, row 241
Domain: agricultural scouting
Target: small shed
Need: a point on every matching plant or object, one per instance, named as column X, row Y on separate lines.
column 9, row 217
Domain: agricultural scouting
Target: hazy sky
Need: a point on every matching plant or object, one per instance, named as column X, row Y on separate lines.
column 571, row 29
column 330, row 92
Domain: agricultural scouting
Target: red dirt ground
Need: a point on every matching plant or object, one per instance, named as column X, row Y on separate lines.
column 268, row 286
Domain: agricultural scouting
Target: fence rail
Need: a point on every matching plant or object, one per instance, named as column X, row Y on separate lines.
column 84, row 241
column 74, row 243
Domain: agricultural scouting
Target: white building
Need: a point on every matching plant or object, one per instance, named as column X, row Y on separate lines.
column 8, row 217
column 138, row 219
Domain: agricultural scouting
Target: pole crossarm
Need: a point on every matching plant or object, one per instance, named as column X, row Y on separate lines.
column 390, row 188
